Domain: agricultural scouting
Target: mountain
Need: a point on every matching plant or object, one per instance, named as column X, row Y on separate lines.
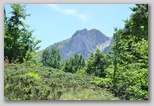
column 84, row 42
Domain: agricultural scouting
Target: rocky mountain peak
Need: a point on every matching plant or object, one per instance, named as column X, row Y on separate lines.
column 84, row 42
column 80, row 32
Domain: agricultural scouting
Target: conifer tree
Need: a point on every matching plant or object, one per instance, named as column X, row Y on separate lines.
column 97, row 63
column 130, row 55
column 51, row 57
column 18, row 39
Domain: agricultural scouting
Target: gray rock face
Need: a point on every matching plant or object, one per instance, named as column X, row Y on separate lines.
column 84, row 42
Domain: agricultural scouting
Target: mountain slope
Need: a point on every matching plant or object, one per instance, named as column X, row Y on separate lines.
column 84, row 42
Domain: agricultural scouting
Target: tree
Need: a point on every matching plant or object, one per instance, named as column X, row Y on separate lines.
column 45, row 57
column 139, row 21
column 55, row 58
column 5, row 17
column 97, row 63
column 74, row 63
column 130, row 56
column 18, row 39
column 51, row 57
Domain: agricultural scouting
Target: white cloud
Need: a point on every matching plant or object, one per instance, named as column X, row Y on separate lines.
column 72, row 12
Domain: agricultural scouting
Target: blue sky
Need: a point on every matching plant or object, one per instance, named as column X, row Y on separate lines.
column 56, row 22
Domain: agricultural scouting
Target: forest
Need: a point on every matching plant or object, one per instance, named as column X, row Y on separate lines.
column 121, row 74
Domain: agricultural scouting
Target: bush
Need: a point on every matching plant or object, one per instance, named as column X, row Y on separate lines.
column 131, row 82
column 23, row 82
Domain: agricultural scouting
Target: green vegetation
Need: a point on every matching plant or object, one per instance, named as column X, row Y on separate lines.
column 45, row 83
column 74, row 63
column 122, row 74
column 130, row 56
column 18, row 38
column 51, row 57
column 97, row 63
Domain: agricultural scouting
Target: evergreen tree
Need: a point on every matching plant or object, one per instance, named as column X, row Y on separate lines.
column 45, row 57
column 51, row 57
column 97, row 63
column 130, row 55
column 18, row 38
column 55, row 58
column 74, row 63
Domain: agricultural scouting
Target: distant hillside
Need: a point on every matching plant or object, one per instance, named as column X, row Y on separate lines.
column 84, row 42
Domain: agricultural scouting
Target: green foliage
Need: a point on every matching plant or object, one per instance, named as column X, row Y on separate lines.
column 127, row 74
column 129, row 80
column 97, row 63
column 18, row 38
column 32, row 59
column 45, row 57
column 139, row 22
column 123, row 72
column 102, row 82
column 34, row 75
column 23, row 82
column 130, row 57
column 81, row 72
column 51, row 57
column 74, row 63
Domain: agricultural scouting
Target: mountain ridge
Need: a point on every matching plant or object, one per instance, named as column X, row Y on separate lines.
column 84, row 42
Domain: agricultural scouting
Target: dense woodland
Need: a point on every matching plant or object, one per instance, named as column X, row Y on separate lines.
column 121, row 74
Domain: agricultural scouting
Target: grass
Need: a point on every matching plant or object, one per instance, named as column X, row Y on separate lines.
column 88, row 94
